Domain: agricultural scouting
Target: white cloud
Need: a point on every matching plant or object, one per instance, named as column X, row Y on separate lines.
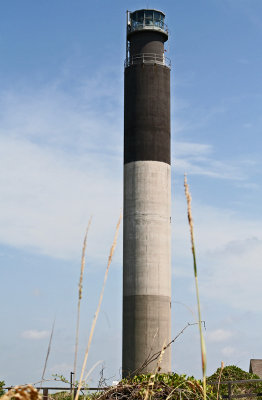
column 48, row 198
column 35, row 334
column 219, row 335
column 190, row 149
column 196, row 159
column 207, row 166
column 248, row 125
column 71, row 122
column 229, row 254
column 234, row 270
column 36, row 292
column 228, row 351
column 60, row 163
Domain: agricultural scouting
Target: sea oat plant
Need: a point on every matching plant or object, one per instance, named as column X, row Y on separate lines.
column 112, row 250
column 47, row 354
column 219, row 379
column 80, row 289
column 202, row 341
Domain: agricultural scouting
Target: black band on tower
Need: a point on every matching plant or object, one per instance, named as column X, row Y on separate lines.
column 147, row 113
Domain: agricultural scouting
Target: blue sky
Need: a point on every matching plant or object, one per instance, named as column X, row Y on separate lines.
column 61, row 141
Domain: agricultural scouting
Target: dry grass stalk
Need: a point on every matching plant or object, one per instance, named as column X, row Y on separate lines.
column 99, row 306
column 80, row 288
column 202, row 342
column 152, row 378
column 26, row 392
column 219, row 379
column 156, row 355
column 92, row 369
column 48, row 352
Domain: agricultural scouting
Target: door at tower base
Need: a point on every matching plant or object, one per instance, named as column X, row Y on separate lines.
column 147, row 280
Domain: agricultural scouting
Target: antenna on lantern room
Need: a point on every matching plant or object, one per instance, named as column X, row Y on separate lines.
column 127, row 30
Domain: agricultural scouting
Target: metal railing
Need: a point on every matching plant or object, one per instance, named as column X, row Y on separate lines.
column 148, row 58
column 230, row 395
column 147, row 25
column 230, row 389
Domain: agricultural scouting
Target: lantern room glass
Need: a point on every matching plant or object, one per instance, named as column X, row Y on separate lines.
column 147, row 18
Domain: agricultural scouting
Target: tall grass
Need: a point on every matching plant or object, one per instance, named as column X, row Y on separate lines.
column 151, row 381
column 202, row 341
column 219, row 379
column 80, row 288
column 48, row 352
column 112, row 250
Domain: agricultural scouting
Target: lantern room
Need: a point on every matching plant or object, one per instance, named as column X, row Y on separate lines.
column 146, row 20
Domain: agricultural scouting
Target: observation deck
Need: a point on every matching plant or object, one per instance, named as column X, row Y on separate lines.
column 147, row 20
column 148, row 58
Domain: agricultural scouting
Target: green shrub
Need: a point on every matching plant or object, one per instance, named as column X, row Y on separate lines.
column 233, row 373
column 2, row 384
column 161, row 386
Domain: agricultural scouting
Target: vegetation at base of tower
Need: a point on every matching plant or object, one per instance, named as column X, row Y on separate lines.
column 165, row 386
column 233, row 373
column 181, row 387
column 2, row 384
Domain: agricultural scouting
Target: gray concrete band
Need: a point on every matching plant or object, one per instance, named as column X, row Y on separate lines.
column 146, row 321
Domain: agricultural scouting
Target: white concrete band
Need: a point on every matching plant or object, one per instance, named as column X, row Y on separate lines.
column 147, row 228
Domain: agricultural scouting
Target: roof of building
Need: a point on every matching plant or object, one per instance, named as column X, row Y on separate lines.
column 255, row 367
column 148, row 9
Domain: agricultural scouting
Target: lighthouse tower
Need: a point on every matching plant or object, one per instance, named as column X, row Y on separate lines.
column 147, row 194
